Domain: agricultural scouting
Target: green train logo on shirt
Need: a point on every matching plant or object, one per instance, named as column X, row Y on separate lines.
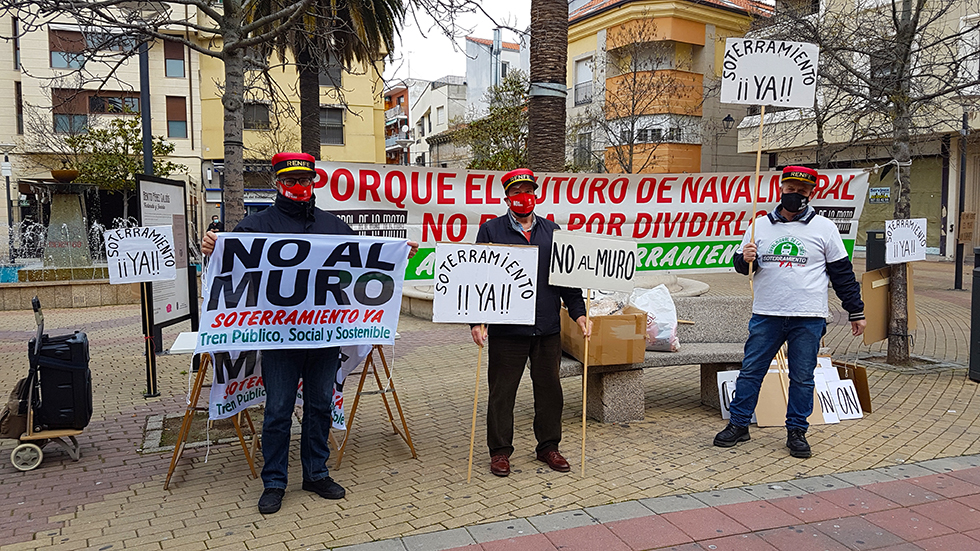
column 786, row 251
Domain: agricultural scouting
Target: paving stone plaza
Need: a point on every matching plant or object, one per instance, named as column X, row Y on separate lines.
column 907, row 476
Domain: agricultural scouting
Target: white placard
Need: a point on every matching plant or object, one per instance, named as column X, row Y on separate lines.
column 582, row 260
column 828, row 406
column 726, row 393
column 905, row 240
column 282, row 290
column 769, row 72
column 826, row 367
column 485, row 284
column 140, row 254
column 846, row 399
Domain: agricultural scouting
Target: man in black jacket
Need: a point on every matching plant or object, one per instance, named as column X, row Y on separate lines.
column 294, row 211
column 511, row 346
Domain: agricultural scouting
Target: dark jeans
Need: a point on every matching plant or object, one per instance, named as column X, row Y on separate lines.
column 508, row 356
column 766, row 335
column 281, row 372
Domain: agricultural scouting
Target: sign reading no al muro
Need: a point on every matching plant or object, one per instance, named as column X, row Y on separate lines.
column 679, row 222
column 769, row 72
column 591, row 262
column 267, row 291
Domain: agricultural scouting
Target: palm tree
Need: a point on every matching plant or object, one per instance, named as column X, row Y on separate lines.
column 333, row 32
column 546, row 113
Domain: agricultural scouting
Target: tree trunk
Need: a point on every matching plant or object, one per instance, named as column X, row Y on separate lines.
column 309, row 102
column 898, row 342
column 234, row 179
column 546, row 114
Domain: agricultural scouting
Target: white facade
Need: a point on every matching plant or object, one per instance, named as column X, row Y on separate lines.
column 480, row 73
column 441, row 102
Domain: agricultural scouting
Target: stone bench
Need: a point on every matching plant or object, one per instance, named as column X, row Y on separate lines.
column 715, row 342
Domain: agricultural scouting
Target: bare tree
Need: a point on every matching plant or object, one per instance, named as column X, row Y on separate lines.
column 890, row 71
column 230, row 22
column 650, row 94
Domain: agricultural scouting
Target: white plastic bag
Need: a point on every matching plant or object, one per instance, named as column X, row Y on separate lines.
column 661, row 317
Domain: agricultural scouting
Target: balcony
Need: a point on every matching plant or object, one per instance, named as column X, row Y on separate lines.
column 395, row 113
column 583, row 93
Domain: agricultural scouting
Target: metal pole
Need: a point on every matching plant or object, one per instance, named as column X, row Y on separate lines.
column 958, row 277
column 145, row 114
column 10, row 211
column 975, row 320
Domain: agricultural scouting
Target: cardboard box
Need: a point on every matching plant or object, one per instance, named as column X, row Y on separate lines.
column 616, row 339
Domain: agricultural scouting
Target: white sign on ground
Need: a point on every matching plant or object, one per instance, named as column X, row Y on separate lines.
column 726, row 393
column 587, row 261
column 769, row 72
column 140, row 254
column 485, row 283
column 905, row 240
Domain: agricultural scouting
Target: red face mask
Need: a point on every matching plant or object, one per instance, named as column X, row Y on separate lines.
column 296, row 192
column 522, row 204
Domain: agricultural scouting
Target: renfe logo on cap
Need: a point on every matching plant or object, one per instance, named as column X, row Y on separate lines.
column 801, row 173
column 291, row 162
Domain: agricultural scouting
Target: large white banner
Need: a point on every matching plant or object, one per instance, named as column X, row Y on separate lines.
column 590, row 262
column 140, row 254
column 680, row 222
column 485, row 284
column 769, row 72
column 268, row 291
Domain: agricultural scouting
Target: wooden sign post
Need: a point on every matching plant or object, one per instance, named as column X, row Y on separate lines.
column 591, row 262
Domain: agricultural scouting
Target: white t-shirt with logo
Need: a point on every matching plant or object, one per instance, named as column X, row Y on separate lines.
column 792, row 278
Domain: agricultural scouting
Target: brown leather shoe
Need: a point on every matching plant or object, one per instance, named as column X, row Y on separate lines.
column 500, row 465
column 555, row 461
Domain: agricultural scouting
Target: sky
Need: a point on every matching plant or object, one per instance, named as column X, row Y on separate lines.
column 426, row 53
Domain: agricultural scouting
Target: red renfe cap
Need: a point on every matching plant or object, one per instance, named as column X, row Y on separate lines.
column 290, row 163
column 517, row 176
column 800, row 174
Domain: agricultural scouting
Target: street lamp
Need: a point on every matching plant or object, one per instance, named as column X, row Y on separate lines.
column 727, row 124
column 7, row 149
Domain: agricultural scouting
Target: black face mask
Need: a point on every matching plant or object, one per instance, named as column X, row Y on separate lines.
column 794, row 202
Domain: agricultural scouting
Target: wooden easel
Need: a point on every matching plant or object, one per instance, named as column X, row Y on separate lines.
column 370, row 365
column 248, row 447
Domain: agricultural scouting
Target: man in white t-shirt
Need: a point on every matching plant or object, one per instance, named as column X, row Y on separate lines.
column 796, row 253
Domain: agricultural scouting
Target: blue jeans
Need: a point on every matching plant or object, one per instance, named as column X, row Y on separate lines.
column 766, row 335
column 281, row 372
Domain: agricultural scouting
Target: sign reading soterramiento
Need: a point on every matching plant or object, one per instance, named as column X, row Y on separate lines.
column 267, row 291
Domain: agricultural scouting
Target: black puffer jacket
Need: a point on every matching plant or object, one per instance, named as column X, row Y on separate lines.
column 288, row 216
column 549, row 297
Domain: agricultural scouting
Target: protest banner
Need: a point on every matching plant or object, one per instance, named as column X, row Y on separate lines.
column 680, row 222
column 590, row 262
column 905, row 240
column 485, row 284
column 140, row 254
column 769, row 72
column 266, row 291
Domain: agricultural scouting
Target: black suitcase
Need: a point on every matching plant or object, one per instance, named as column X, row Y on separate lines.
column 65, row 381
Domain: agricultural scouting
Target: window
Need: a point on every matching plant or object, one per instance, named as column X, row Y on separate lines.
column 173, row 56
column 256, row 116
column 69, row 110
column 504, row 66
column 176, row 117
column 109, row 42
column 674, row 134
column 883, row 72
column 332, row 74
column 440, row 115
column 428, row 118
column 583, row 150
column 799, row 7
column 19, row 103
column 331, row 126
column 583, row 81
column 123, row 102
column 15, row 24
column 67, row 49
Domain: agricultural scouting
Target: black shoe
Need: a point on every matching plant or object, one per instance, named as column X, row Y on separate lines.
column 271, row 500
column 325, row 488
column 733, row 434
column 797, row 444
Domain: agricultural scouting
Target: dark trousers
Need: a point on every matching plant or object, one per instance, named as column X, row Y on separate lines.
column 508, row 356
